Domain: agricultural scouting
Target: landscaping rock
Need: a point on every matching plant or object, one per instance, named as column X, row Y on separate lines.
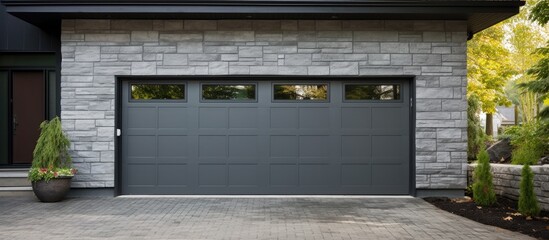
column 500, row 151
column 543, row 160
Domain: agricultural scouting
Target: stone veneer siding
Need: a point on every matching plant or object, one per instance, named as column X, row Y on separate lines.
column 507, row 181
column 95, row 51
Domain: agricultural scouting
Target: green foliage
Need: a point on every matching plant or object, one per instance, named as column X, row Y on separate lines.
column 489, row 68
column 528, row 202
column 540, row 85
column 219, row 91
column 475, row 134
column 483, row 187
column 540, row 12
column 37, row 174
column 530, row 141
column 157, row 91
column 540, row 71
column 50, row 156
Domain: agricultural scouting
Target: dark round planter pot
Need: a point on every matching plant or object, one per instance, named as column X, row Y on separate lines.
column 54, row 190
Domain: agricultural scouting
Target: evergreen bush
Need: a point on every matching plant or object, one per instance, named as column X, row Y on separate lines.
column 528, row 202
column 483, row 187
column 475, row 134
column 51, row 157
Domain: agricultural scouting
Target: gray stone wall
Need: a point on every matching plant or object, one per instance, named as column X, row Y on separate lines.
column 95, row 51
column 507, row 181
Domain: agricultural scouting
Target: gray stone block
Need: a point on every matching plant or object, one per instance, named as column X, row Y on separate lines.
column 394, row 47
column 229, row 36
column 175, row 59
column 190, row 47
column 366, row 47
column 426, row 59
column 144, row 36
column 87, row 53
column 376, row 36
column 297, row 59
column 250, row 51
column 344, row 68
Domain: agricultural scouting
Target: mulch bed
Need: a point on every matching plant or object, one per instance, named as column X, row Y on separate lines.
column 503, row 215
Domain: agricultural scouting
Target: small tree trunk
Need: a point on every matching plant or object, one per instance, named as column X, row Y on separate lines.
column 516, row 115
column 489, row 124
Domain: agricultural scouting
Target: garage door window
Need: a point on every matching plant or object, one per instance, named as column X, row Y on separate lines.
column 232, row 92
column 381, row 92
column 300, row 92
column 157, row 91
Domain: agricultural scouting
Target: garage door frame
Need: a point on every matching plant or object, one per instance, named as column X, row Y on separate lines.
column 240, row 78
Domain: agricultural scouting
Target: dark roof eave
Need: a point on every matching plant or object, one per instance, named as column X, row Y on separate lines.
column 42, row 11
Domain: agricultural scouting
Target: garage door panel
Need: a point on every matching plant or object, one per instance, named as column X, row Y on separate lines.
column 284, row 147
column 266, row 146
column 356, row 146
column 173, row 175
column 388, row 118
column 316, row 174
column 141, row 117
column 388, row 160
column 283, row 175
column 388, row 146
column 212, row 146
column 170, row 160
column 172, row 117
column 284, row 118
column 243, row 118
column 140, row 160
column 213, row 118
column 244, row 175
column 212, row 175
column 314, row 146
column 244, row 146
column 318, row 118
column 141, row 174
column 356, row 174
column 356, row 117
column 172, row 146
column 141, row 146
column 390, row 175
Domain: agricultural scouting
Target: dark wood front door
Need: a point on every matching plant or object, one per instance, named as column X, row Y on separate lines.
column 28, row 112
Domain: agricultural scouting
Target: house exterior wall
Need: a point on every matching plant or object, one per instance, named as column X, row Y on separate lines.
column 95, row 51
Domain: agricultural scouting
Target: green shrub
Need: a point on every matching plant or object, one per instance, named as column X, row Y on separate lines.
column 51, row 158
column 483, row 187
column 475, row 135
column 528, row 203
column 530, row 141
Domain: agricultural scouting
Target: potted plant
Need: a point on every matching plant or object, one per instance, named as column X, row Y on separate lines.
column 51, row 172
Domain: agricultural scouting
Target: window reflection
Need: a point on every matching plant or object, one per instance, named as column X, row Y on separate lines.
column 228, row 92
column 372, row 92
column 158, row 91
column 314, row 92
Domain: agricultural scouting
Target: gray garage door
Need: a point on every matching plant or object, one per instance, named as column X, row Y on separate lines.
column 265, row 137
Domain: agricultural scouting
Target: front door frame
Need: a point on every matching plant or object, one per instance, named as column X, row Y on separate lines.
column 45, row 75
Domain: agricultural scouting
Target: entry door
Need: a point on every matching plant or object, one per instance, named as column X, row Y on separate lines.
column 28, row 112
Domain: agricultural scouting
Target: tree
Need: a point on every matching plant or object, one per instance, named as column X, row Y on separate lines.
column 528, row 202
column 488, row 70
column 483, row 187
column 540, row 70
column 475, row 135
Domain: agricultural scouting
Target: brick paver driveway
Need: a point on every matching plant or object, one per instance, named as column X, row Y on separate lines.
column 237, row 218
